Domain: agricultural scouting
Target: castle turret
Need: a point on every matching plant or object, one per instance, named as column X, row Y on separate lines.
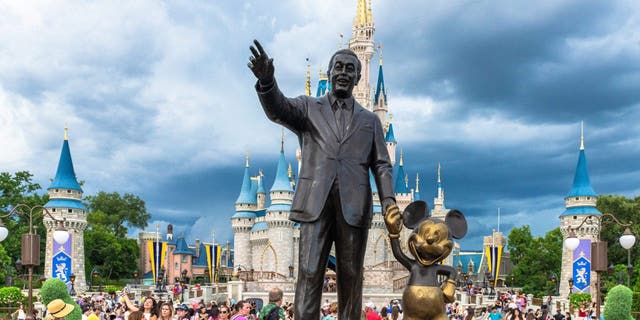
column 580, row 202
column 247, row 199
column 390, row 141
column 65, row 202
column 380, row 98
column 403, row 193
column 439, row 210
column 243, row 220
column 361, row 43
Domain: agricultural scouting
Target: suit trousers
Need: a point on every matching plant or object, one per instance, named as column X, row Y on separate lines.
column 315, row 245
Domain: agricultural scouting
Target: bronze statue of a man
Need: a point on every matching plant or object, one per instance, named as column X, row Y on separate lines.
column 341, row 141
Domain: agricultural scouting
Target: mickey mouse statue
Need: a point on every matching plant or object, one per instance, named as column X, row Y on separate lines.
column 431, row 284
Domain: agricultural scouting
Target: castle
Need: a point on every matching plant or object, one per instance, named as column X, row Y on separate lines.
column 265, row 240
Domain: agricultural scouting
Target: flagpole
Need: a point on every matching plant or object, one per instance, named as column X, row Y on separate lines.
column 157, row 262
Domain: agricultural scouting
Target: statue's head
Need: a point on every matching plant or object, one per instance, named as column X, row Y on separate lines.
column 344, row 72
column 431, row 239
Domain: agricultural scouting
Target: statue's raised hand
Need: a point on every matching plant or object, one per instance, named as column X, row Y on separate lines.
column 260, row 63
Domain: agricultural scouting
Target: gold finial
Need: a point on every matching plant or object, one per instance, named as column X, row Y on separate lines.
column 369, row 15
column 282, row 141
column 341, row 41
column 246, row 163
column 307, row 84
column 380, row 52
column 66, row 132
column 581, row 135
column 390, row 117
column 289, row 171
column 401, row 162
column 406, row 180
column 322, row 75
column 417, row 182
column 438, row 172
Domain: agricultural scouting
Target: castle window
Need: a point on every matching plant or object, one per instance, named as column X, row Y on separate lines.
column 68, row 191
column 57, row 190
column 577, row 198
column 54, row 209
column 70, row 210
column 588, row 198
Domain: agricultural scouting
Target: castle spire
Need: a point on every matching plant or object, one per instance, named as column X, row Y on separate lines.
column 581, row 135
column 307, row 83
column 65, row 175
column 581, row 183
column 245, row 196
column 417, row 182
column 246, row 162
column 282, row 141
column 281, row 182
column 66, row 132
column 401, row 184
column 362, row 44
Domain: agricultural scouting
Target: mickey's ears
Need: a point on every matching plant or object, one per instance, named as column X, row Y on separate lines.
column 457, row 224
column 414, row 213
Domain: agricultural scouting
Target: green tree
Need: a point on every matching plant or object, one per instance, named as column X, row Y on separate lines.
column 19, row 188
column 106, row 245
column 535, row 259
column 626, row 211
column 115, row 257
column 115, row 212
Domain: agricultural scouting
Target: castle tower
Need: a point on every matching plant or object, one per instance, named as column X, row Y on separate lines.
column 403, row 194
column 242, row 221
column 439, row 210
column 390, row 141
column 361, row 43
column 65, row 201
column 261, row 193
column 276, row 253
column 380, row 98
column 579, row 203
column 416, row 192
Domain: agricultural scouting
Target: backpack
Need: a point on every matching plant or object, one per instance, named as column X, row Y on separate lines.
column 274, row 314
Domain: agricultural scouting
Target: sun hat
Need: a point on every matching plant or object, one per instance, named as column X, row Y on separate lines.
column 59, row 308
column 370, row 305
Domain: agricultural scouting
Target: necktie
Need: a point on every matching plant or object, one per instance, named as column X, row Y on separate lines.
column 341, row 117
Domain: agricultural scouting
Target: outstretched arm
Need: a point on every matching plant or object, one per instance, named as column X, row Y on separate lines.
column 393, row 220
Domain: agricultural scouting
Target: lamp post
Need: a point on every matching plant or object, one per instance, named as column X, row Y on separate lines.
column 553, row 277
column 135, row 278
column 599, row 250
column 31, row 240
column 94, row 275
column 72, row 278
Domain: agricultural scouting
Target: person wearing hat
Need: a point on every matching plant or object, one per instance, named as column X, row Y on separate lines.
column 182, row 312
column 59, row 309
column 370, row 313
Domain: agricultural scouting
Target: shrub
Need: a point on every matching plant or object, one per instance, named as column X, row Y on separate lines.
column 56, row 289
column 618, row 303
column 11, row 296
column 579, row 299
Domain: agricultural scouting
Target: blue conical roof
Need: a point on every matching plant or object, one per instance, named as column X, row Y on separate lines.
column 65, row 175
column 401, row 185
column 182, row 247
column 281, row 183
column 202, row 256
column 245, row 196
column 581, row 183
column 260, row 184
column 380, row 90
column 390, row 137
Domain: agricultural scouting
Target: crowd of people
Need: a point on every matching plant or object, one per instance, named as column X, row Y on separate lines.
column 513, row 306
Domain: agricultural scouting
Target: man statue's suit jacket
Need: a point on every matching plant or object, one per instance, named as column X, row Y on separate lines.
column 326, row 156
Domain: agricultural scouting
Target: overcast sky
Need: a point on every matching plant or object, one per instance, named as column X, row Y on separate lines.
column 160, row 103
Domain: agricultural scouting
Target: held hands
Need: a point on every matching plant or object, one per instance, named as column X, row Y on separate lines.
column 260, row 63
column 393, row 220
